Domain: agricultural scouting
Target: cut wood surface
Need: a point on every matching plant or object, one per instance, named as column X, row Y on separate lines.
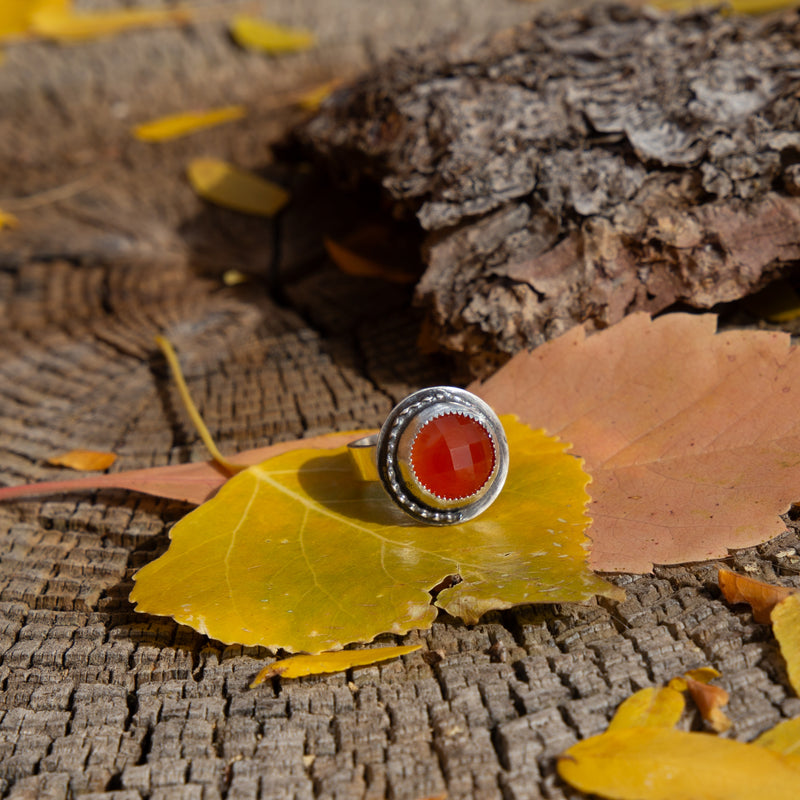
column 113, row 248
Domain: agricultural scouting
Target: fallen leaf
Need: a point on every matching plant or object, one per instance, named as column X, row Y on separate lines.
column 65, row 25
column 667, row 764
column 784, row 738
column 651, row 707
column 692, row 438
column 15, row 15
column 177, row 125
column 703, row 674
column 86, row 460
column 294, row 553
column 763, row 597
column 709, row 700
column 351, row 263
column 737, row 6
column 234, row 188
column 7, row 220
column 786, row 627
column 777, row 302
column 313, row 98
column 300, row 666
column 267, row 37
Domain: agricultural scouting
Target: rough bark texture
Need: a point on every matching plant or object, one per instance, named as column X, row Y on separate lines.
column 582, row 166
column 99, row 702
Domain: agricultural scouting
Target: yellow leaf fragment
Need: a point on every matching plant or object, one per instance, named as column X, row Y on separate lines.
column 709, row 700
column 784, row 738
column 300, row 666
column 7, row 220
column 777, row 302
column 64, row 25
column 313, row 98
column 268, row 37
column 185, row 123
column 703, row 674
column 296, row 553
column 786, row 627
column 666, row 764
column 15, row 15
column 225, row 185
column 651, row 707
column 351, row 263
column 737, row 6
column 763, row 597
column 233, row 277
column 84, row 460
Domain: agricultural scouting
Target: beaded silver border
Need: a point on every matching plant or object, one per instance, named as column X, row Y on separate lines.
column 438, row 400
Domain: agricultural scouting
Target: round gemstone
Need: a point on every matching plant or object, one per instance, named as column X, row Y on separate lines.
column 452, row 456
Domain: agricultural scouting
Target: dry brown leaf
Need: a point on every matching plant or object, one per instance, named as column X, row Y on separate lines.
column 84, row 460
column 692, row 438
column 709, row 700
column 763, row 597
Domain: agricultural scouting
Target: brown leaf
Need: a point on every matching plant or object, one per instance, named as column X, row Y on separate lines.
column 692, row 439
column 85, row 460
column 763, row 597
column 709, row 700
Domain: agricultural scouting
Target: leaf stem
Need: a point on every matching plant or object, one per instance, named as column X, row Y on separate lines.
column 172, row 359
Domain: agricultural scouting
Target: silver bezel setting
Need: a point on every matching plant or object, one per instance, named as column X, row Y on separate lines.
column 393, row 455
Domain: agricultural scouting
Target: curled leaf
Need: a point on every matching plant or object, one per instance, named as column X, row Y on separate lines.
column 63, row 24
column 177, row 125
column 86, row 460
column 786, row 627
column 709, row 701
column 763, row 597
column 667, row 764
column 651, row 707
column 295, row 553
column 300, row 666
column 268, row 37
column 234, row 188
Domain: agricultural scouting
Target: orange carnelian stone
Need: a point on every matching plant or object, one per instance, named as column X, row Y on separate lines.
column 452, row 456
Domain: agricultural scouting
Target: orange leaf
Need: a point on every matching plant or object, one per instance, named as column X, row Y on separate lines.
column 763, row 597
column 86, row 460
column 351, row 263
column 692, row 438
column 708, row 700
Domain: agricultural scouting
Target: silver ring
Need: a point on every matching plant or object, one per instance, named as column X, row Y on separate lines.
column 441, row 455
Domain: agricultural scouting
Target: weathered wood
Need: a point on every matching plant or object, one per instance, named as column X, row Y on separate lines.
column 583, row 166
column 97, row 700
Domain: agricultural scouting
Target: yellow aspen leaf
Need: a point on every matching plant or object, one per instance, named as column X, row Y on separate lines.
column 300, row 666
column 784, row 738
column 296, row 553
column 658, row 707
column 786, row 627
column 351, row 263
column 709, row 700
column 84, row 460
column 7, row 220
column 761, row 596
column 667, row 764
column 313, row 98
column 64, row 25
column 177, row 125
column 15, row 15
column 268, row 37
column 737, row 6
column 703, row 674
column 225, row 185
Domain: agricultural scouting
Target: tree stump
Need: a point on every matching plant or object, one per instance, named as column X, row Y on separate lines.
column 100, row 702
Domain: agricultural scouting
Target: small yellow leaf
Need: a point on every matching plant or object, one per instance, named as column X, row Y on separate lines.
column 84, row 460
column 296, row 553
column 351, row 263
column 233, row 277
column 313, row 98
column 784, row 738
column 234, row 188
column 650, row 707
column 786, row 627
column 777, row 302
column 737, row 6
column 300, row 666
column 666, row 764
column 64, row 25
column 267, row 37
column 7, row 220
column 703, row 674
column 176, row 125
column 15, row 15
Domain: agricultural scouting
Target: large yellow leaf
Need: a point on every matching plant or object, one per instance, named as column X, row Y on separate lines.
column 176, row 125
column 268, row 37
column 666, row 764
column 295, row 553
column 323, row 663
column 234, row 188
column 651, row 707
column 784, row 738
column 786, row 627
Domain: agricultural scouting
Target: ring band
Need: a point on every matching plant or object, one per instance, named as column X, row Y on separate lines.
column 441, row 455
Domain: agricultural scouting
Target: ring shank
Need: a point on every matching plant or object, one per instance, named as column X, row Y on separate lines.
column 362, row 454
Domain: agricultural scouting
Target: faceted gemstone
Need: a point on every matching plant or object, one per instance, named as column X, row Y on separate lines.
column 452, row 456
